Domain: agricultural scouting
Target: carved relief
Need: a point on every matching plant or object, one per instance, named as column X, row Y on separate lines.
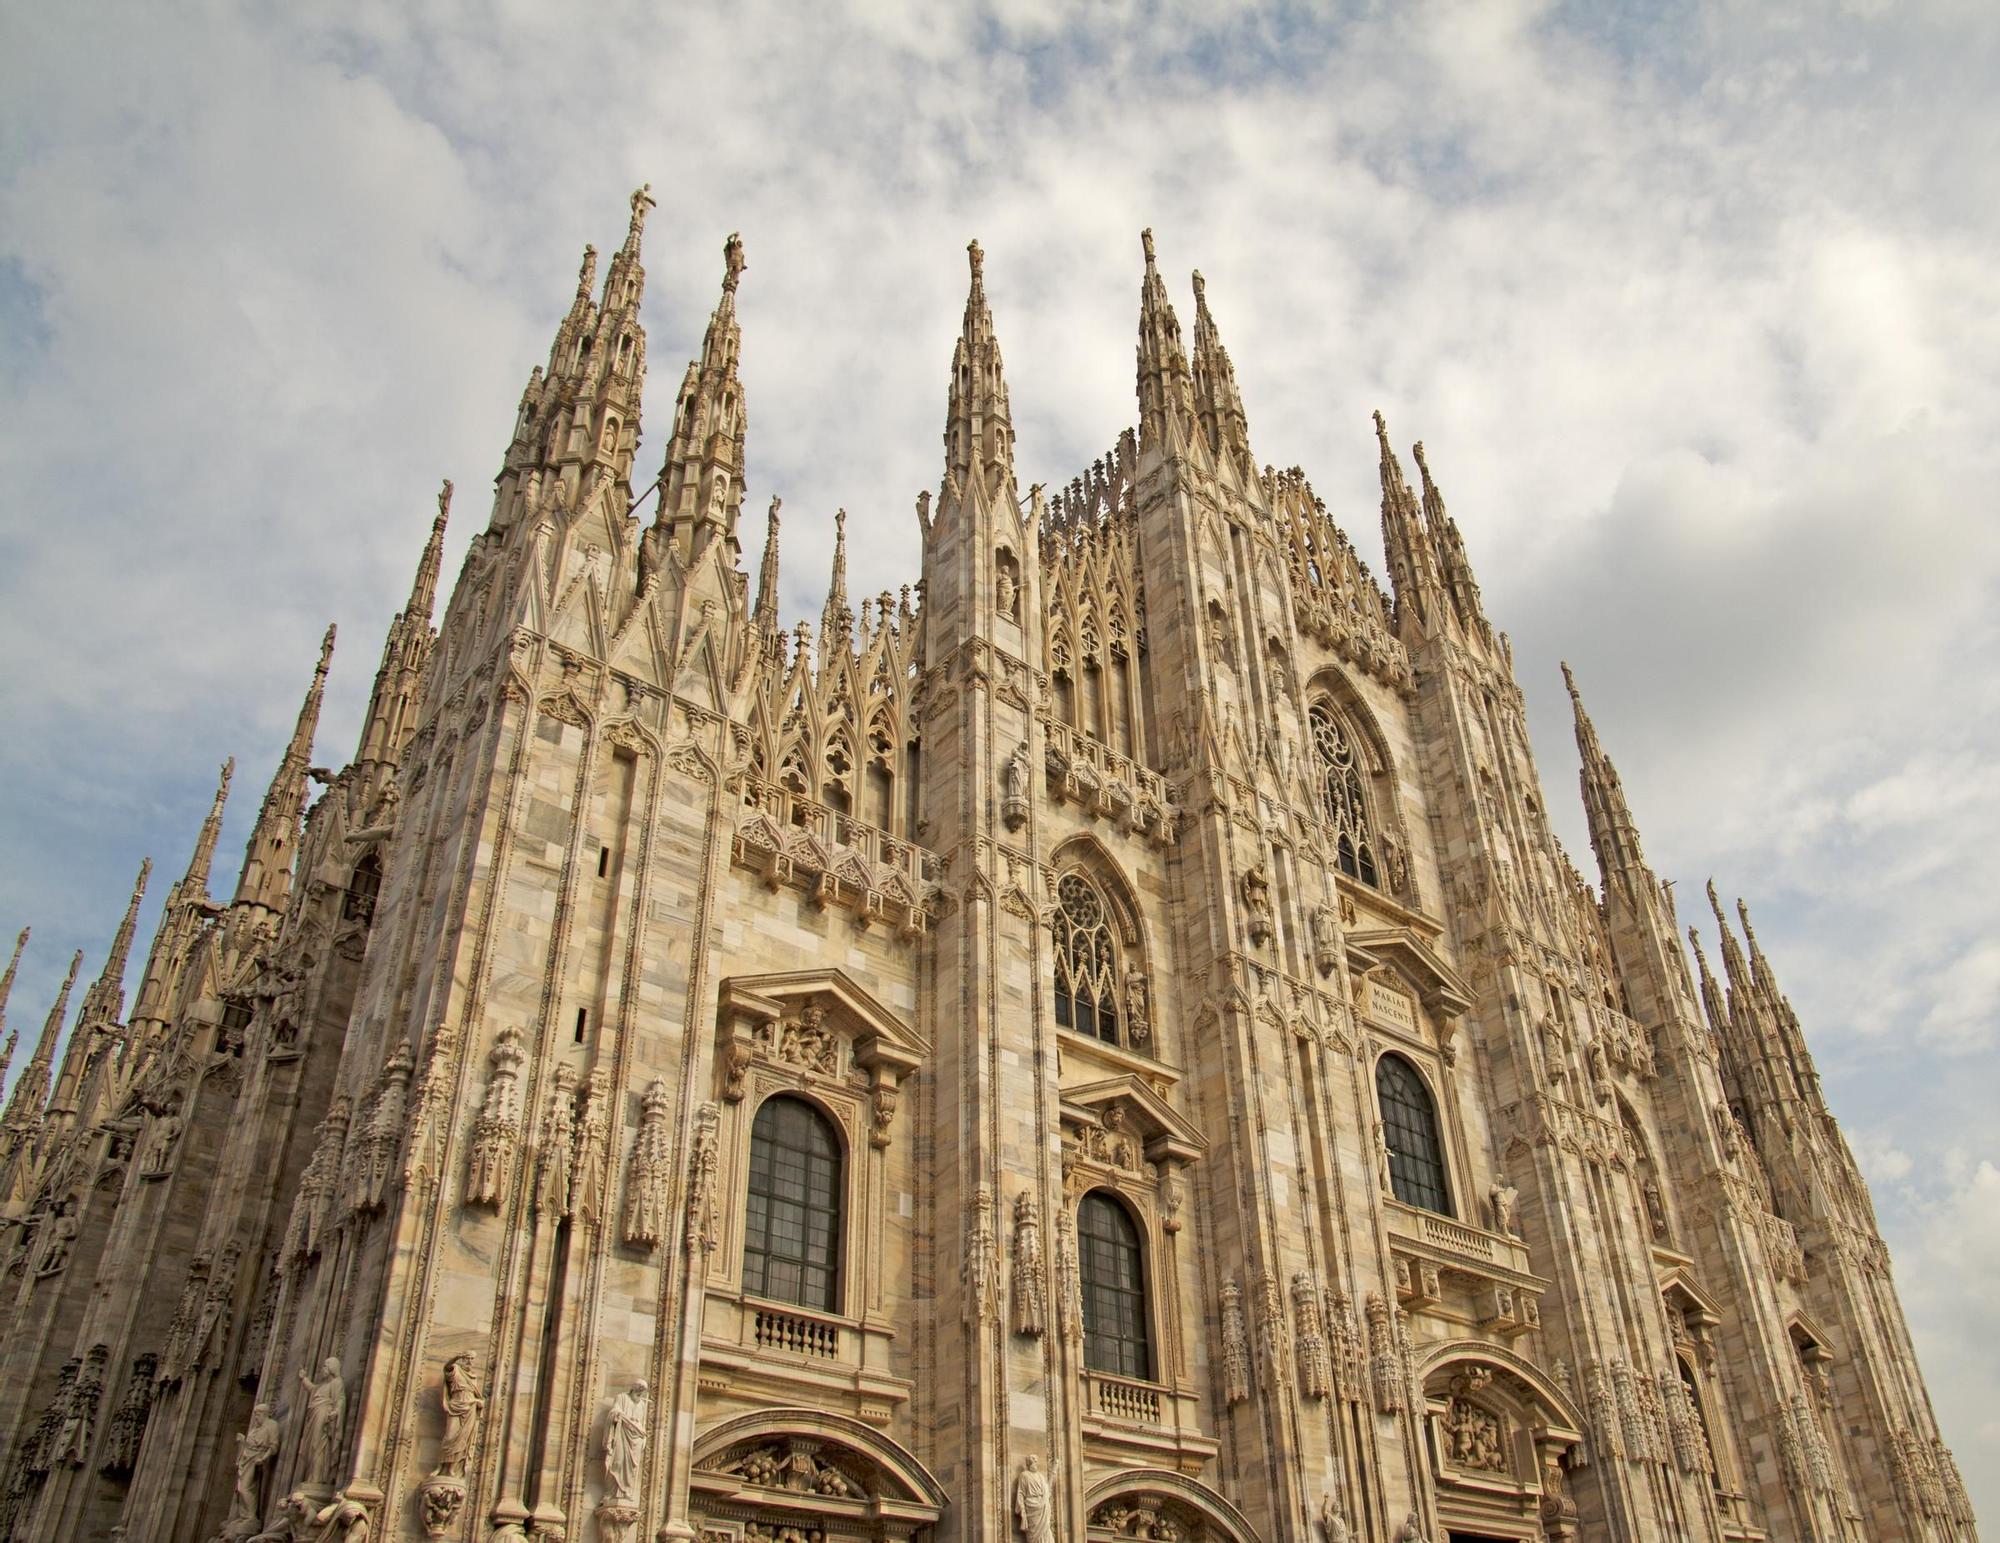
column 1030, row 1314
column 651, row 1172
column 558, row 1153
column 1309, row 1348
column 981, row 1252
column 497, row 1132
column 1385, row 1357
column 1235, row 1346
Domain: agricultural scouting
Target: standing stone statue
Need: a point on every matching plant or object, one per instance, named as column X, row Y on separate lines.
column 1034, row 1512
column 254, row 1448
column 464, row 1403
column 326, row 1416
column 1332, row 1525
column 625, row 1442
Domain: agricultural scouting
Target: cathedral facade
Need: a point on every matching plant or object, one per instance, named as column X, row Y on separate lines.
column 1101, row 1045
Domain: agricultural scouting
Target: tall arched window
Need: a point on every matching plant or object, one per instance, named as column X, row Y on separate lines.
column 791, row 1248
column 1410, row 1126
column 1340, row 798
column 1112, row 1266
column 1086, row 961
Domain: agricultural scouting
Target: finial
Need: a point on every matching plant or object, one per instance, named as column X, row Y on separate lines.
column 586, row 273
column 1382, row 431
column 1146, row 244
column 771, row 520
column 732, row 263
column 642, row 200
column 1423, row 466
column 1200, row 289
column 977, row 254
column 1569, row 680
column 1743, row 914
column 444, row 505
column 325, row 651
column 1715, row 905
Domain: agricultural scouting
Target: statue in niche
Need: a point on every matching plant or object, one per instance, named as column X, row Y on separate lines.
column 1325, row 946
column 1034, row 1511
column 1656, row 1206
column 62, row 1237
column 160, row 1150
column 625, row 1442
column 1256, row 887
column 1005, row 593
column 464, row 1403
column 1138, row 1003
column 255, row 1447
column 325, row 1415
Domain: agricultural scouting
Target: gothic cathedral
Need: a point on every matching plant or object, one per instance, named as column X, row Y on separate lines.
column 1100, row 1045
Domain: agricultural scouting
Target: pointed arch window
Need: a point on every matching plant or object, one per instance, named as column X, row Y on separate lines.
column 1410, row 1127
column 791, row 1248
column 1112, row 1266
column 363, row 886
column 1341, row 801
column 1086, row 961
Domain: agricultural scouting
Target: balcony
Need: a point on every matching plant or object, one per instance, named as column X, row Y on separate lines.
column 777, row 1352
column 1463, row 1272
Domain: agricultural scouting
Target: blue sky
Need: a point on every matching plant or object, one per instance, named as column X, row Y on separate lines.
column 1697, row 310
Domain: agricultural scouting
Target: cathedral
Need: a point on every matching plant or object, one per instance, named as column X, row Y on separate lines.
column 1102, row 1044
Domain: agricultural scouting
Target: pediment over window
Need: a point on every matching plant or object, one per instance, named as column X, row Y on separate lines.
column 878, row 1033
column 1128, row 1105
column 1696, row 1305
column 818, row 1472
column 1443, row 991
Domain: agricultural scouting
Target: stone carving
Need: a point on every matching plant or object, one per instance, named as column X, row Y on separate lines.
column 1271, row 1332
column 1385, row 1358
column 255, row 1448
column 981, row 1252
column 79, row 1412
column 497, row 1131
column 464, row 1403
column 1256, row 888
column 1138, row 1004
column 805, row 1041
column 1034, row 1508
column 325, row 1413
column 161, row 1143
column 174, row 1361
column 702, row 1160
column 1656, row 1208
column 558, row 1153
column 1030, row 1310
column 625, row 1442
column 62, row 1238
column 1309, row 1346
column 794, row 1465
column 1014, row 785
column 128, row 1421
column 376, row 1162
column 1473, row 1434
column 593, row 1150
column 1333, row 1526
column 1504, row 1200
column 1069, row 1282
column 1326, row 935
column 211, row 1328
column 651, row 1171
column 881, row 1113
column 430, row 1106
column 1604, row 1419
column 1349, row 1377
column 1235, row 1346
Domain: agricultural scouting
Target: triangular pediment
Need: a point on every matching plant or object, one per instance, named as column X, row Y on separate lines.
column 877, row 1031
column 1444, row 991
column 1164, row 1131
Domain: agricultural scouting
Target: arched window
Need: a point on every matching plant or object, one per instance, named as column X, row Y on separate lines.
column 1340, row 799
column 791, row 1248
column 1410, row 1126
column 1112, row 1266
column 1086, row 961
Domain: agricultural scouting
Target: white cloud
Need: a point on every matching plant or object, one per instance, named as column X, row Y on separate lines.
column 1697, row 310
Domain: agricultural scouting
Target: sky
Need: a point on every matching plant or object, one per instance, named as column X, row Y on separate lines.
column 1695, row 307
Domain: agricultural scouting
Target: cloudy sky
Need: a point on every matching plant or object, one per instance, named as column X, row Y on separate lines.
column 1697, row 309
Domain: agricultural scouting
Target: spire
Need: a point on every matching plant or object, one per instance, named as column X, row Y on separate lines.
column 1760, row 967
column 266, row 879
column 582, row 413
column 1166, row 390
column 1732, row 955
column 25, row 1107
column 104, row 1002
column 1711, row 993
column 1218, row 404
column 701, row 479
column 399, row 678
column 7, row 990
column 1614, row 835
column 767, row 576
column 979, row 426
column 837, row 618
column 1448, row 550
column 195, row 885
column 1404, row 540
